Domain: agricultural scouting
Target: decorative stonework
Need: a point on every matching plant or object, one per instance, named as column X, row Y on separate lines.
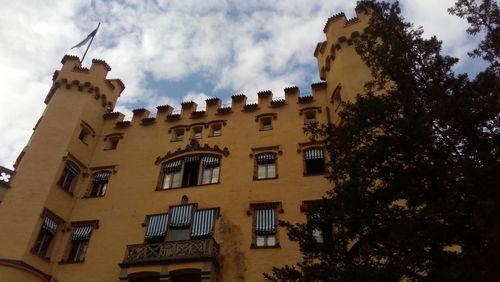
column 193, row 146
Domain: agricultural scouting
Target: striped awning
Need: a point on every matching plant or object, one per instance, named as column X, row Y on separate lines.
column 173, row 166
column 72, row 168
column 265, row 221
column 191, row 159
column 101, row 176
column 82, row 232
column 315, row 153
column 50, row 225
column 210, row 161
column 181, row 215
column 203, row 222
column 265, row 159
column 157, row 225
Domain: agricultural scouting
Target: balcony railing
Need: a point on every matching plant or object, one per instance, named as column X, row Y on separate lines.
column 175, row 251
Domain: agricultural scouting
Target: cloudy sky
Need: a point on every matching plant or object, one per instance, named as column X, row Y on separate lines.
column 168, row 51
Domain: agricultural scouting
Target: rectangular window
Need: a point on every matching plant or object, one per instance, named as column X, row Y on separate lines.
column 191, row 171
column 314, row 161
column 79, row 243
column 310, row 118
column 266, row 166
column 266, row 124
column 203, row 223
column 156, row 228
column 45, row 236
column 216, row 130
column 99, row 184
column 197, row 132
column 179, row 135
column 172, row 174
column 210, row 173
column 265, row 227
column 180, row 222
column 68, row 176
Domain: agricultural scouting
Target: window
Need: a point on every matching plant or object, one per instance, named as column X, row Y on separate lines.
column 197, row 132
column 266, row 124
column 179, row 135
column 68, row 176
column 180, row 222
column 216, row 130
column 156, row 228
column 321, row 229
column 191, row 171
column 314, row 161
column 46, row 235
column 264, row 221
column 310, row 117
column 112, row 142
column 99, row 184
column 266, row 166
column 79, row 243
column 86, row 132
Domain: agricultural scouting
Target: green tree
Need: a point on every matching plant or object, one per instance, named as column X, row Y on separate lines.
column 415, row 166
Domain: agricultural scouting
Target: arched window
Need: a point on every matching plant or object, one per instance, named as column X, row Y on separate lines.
column 191, row 170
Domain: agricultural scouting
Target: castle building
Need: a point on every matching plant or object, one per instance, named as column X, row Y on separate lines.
column 182, row 195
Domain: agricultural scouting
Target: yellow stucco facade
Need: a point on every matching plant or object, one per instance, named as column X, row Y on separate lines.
column 96, row 198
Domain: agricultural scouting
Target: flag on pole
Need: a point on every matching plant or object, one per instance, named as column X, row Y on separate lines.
column 84, row 41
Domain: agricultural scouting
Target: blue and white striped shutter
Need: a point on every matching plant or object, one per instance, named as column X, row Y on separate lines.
column 265, row 221
column 203, row 222
column 157, row 226
column 82, row 232
column 181, row 215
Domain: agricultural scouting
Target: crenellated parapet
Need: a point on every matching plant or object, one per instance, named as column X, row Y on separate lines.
column 340, row 33
column 91, row 80
column 214, row 110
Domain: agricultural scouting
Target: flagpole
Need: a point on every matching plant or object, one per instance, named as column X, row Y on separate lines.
column 88, row 46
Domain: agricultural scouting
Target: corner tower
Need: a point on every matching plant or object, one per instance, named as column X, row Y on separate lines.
column 66, row 132
column 338, row 63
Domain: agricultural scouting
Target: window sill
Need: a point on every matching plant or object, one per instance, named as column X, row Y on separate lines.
column 176, row 140
column 71, row 261
column 265, row 129
column 315, row 174
column 175, row 188
column 109, row 149
column 277, row 246
column 209, row 136
column 269, row 178
column 91, row 197
column 47, row 259
column 83, row 142
column 69, row 192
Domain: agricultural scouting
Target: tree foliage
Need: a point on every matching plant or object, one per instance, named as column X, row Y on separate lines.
column 415, row 163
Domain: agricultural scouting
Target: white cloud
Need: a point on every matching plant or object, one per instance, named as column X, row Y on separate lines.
column 231, row 45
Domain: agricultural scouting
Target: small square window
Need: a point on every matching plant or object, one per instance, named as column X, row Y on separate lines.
column 266, row 124
column 179, row 135
column 310, row 118
column 197, row 132
column 216, row 130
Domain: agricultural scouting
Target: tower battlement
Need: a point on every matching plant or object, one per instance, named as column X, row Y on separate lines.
column 90, row 80
column 214, row 109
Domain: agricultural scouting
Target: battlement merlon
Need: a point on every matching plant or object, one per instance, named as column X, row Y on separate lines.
column 340, row 32
column 92, row 80
column 214, row 109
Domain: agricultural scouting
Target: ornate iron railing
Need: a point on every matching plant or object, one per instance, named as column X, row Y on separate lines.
column 190, row 250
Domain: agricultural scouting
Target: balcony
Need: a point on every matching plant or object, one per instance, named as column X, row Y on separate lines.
column 171, row 252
